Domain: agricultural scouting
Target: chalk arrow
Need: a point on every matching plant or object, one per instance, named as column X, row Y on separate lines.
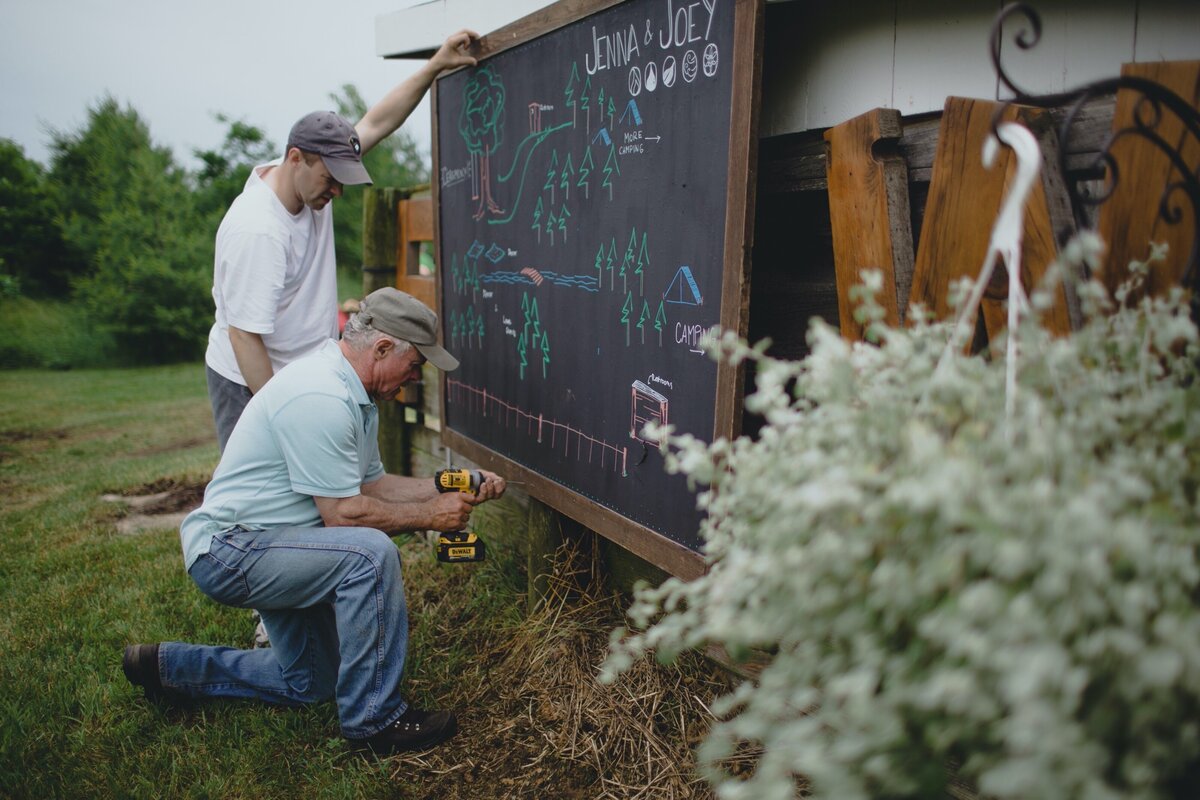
column 653, row 138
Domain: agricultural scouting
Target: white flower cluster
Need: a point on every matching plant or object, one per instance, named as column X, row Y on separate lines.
column 938, row 584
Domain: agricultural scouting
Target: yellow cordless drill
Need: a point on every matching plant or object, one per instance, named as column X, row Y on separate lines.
column 454, row 548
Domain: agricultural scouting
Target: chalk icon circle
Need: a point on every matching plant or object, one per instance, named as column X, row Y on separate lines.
column 690, row 66
column 635, row 81
column 711, row 59
column 651, row 76
column 668, row 71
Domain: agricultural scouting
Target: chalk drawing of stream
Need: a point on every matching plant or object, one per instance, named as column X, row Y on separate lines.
column 481, row 125
column 530, row 276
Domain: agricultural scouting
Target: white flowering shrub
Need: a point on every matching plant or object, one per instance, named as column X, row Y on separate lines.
column 938, row 584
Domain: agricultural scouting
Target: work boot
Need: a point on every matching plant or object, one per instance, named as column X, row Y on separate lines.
column 140, row 665
column 415, row 730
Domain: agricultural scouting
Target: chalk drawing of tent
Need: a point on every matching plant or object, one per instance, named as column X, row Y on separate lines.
column 631, row 112
column 683, row 289
column 648, row 406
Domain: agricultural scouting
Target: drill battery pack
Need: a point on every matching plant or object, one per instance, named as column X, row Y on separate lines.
column 455, row 548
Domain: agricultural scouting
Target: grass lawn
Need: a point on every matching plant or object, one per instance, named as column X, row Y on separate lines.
column 74, row 591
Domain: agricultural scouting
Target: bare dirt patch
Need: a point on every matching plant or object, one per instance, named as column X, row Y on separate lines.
column 155, row 506
column 182, row 444
column 11, row 440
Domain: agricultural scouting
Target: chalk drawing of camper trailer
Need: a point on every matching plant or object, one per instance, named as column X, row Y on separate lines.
column 648, row 406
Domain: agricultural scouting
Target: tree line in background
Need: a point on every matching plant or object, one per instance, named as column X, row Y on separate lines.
column 114, row 238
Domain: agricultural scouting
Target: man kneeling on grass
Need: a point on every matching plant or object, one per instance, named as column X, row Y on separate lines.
column 295, row 523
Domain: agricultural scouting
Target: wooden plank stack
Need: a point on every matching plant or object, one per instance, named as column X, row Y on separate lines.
column 870, row 174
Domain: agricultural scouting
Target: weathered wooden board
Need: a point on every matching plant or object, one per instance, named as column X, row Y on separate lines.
column 868, row 210
column 1129, row 219
column 415, row 217
column 796, row 162
column 964, row 198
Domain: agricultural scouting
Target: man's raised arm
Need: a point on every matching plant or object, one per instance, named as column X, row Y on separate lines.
column 388, row 114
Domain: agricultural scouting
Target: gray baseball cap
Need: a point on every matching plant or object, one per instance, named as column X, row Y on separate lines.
column 399, row 314
column 334, row 139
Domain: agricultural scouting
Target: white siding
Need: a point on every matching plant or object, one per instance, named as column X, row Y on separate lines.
column 815, row 55
column 941, row 50
column 1168, row 30
column 1078, row 45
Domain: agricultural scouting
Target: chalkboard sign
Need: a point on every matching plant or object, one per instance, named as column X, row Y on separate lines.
column 592, row 188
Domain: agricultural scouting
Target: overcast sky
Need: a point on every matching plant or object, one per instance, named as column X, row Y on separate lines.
column 266, row 62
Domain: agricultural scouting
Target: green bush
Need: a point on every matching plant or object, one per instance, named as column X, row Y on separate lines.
column 34, row 258
column 130, row 209
column 939, row 584
column 10, row 286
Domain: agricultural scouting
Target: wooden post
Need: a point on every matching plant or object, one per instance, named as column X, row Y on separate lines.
column 623, row 570
column 379, row 270
column 563, row 560
column 379, row 237
column 416, row 226
column 395, row 439
column 545, row 536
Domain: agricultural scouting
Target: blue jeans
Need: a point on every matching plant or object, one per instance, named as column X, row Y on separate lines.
column 333, row 602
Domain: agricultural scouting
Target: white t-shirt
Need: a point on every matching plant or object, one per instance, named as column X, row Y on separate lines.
column 274, row 275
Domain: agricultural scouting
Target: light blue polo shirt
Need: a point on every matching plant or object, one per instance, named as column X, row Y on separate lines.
column 311, row 431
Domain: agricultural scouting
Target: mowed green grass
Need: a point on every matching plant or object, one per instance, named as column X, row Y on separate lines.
column 74, row 592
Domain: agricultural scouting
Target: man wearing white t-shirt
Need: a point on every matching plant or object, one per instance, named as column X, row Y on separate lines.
column 274, row 276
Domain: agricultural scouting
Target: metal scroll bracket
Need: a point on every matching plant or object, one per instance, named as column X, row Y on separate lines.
column 1160, row 118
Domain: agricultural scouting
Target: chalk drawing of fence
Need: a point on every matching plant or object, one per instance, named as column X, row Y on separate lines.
column 555, row 434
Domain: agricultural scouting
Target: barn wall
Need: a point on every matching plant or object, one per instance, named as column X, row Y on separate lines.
column 823, row 66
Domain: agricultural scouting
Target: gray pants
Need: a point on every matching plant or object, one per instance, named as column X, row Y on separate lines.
column 228, row 400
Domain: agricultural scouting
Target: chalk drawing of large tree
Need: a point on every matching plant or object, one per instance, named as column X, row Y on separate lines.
column 482, row 127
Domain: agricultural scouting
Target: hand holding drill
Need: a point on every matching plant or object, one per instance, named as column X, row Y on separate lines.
column 461, row 490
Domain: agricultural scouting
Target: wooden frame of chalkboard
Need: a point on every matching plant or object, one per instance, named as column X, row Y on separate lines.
column 642, row 116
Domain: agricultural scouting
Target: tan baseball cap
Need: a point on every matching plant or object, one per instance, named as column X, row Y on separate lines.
column 399, row 314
